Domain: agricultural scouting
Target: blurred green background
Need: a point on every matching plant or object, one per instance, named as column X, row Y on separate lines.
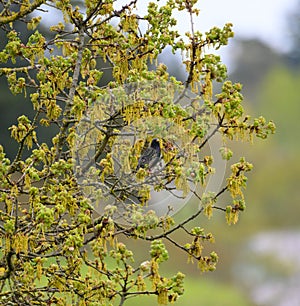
column 259, row 262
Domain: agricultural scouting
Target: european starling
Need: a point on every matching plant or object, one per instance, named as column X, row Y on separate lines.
column 151, row 156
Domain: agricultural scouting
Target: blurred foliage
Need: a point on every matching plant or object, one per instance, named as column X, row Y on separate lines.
column 279, row 97
column 273, row 193
column 274, row 190
column 293, row 56
column 203, row 292
column 278, row 163
column 252, row 60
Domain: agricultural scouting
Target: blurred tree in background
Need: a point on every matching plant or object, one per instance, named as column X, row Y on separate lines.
column 271, row 79
column 57, row 247
column 274, row 91
column 294, row 30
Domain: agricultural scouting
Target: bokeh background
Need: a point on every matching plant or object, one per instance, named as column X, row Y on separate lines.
column 259, row 257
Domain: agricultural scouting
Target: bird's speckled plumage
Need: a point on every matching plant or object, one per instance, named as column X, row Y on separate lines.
column 151, row 156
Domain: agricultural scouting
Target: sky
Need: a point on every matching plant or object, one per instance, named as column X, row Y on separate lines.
column 263, row 19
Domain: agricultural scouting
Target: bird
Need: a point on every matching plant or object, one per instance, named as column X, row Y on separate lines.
column 151, row 156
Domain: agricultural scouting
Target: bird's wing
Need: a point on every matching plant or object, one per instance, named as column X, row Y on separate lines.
column 149, row 157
